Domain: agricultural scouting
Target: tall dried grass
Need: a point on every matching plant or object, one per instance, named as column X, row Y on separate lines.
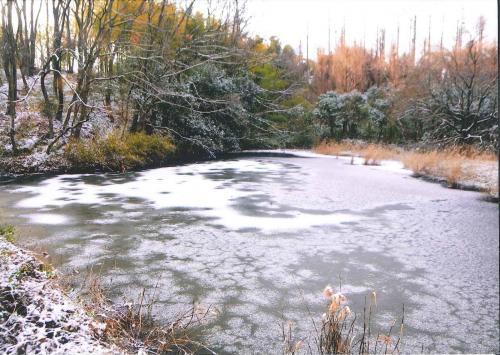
column 372, row 153
column 333, row 148
column 452, row 165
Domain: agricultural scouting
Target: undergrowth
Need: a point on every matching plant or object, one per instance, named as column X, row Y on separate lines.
column 116, row 153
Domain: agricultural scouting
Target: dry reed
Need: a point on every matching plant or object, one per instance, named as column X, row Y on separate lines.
column 341, row 333
column 372, row 153
column 453, row 166
column 133, row 327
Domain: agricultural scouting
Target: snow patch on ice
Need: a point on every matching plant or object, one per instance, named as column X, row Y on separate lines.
column 47, row 218
column 194, row 187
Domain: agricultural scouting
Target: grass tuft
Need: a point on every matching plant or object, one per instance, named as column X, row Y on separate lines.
column 7, row 232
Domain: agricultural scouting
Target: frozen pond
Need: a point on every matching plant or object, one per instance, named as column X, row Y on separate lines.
column 260, row 237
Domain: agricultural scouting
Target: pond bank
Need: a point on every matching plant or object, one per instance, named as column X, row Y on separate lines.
column 36, row 316
column 41, row 164
column 468, row 174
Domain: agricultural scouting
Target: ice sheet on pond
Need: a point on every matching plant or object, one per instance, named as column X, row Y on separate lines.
column 202, row 188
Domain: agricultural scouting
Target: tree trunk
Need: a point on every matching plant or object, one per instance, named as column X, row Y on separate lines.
column 21, row 38
column 47, row 100
column 135, row 122
column 10, row 68
column 71, row 45
column 59, row 18
column 109, row 65
column 32, row 38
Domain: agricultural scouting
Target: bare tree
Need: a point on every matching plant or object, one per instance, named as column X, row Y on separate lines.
column 89, row 17
column 10, row 66
column 94, row 21
column 70, row 44
column 59, row 10
column 52, row 63
column 26, row 40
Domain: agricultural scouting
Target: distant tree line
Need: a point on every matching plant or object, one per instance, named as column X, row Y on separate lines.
column 446, row 97
column 155, row 67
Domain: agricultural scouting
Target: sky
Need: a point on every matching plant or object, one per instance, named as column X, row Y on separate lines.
column 292, row 20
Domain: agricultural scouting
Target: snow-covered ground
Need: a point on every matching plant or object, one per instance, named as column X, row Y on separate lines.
column 36, row 316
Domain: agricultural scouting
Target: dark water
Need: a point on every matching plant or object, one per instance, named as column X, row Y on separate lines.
column 260, row 237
